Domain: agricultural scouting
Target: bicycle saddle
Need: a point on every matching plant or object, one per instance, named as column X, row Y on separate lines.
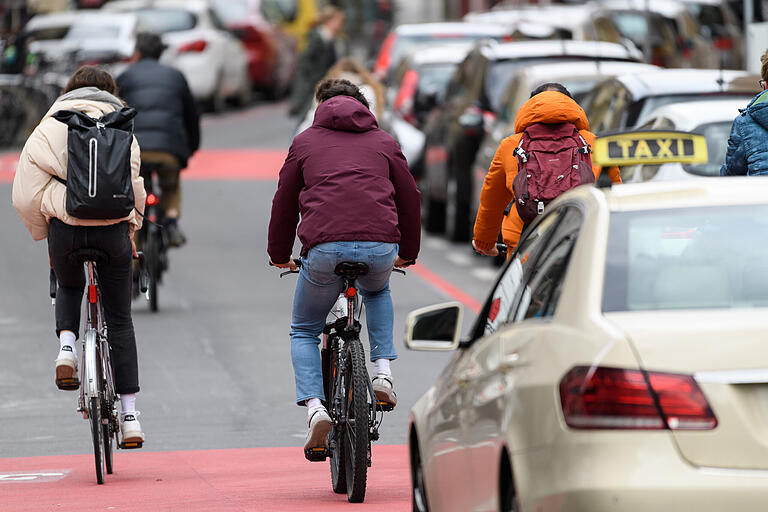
column 89, row 254
column 351, row 269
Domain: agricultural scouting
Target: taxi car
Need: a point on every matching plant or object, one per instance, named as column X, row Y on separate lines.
column 618, row 364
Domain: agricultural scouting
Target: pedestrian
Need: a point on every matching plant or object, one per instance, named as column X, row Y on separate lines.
column 349, row 182
column 747, row 153
column 317, row 58
column 167, row 124
column 40, row 200
column 550, row 105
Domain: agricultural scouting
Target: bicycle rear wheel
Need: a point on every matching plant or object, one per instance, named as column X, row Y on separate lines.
column 94, row 414
column 109, row 418
column 154, row 266
column 357, row 443
column 336, row 438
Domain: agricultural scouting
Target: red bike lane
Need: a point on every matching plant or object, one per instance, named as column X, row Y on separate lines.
column 269, row 479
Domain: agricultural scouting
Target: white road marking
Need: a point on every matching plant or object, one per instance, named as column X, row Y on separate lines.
column 485, row 273
column 32, row 477
column 435, row 243
column 460, row 258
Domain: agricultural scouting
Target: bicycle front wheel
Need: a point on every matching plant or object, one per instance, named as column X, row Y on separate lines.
column 357, row 444
column 94, row 414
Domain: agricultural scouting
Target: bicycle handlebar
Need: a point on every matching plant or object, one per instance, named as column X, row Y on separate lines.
column 298, row 264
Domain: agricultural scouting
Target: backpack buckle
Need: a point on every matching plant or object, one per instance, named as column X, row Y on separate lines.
column 518, row 152
column 540, row 208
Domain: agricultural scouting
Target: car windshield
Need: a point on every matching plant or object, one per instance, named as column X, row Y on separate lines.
column 717, row 145
column 687, row 258
column 48, row 34
column 162, row 21
column 232, row 11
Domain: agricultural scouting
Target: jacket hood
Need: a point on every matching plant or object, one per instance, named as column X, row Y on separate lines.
column 550, row 107
column 344, row 113
column 758, row 109
column 90, row 100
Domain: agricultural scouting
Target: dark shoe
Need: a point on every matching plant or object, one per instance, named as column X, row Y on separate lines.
column 174, row 233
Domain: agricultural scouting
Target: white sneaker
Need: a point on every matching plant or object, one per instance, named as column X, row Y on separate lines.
column 66, row 369
column 319, row 426
column 130, row 428
column 384, row 390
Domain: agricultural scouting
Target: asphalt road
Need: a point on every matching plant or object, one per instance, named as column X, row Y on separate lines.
column 214, row 363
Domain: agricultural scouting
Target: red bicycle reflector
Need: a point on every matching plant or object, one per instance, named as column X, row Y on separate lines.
column 616, row 398
column 152, row 200
column 93, row 294
column 350, row 292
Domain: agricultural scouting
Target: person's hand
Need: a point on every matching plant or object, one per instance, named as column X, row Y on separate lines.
column 289, row 264
column 401, row 263
column 133, row 245
column 493, row 252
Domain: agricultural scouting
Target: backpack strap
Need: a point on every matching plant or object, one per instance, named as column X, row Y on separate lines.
column 63, row 182
column 520, row 152
column 586, row 148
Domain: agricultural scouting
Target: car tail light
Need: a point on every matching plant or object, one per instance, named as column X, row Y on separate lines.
column 194, row 47
column 406, row 95
column 616, row 398
column 381, row 67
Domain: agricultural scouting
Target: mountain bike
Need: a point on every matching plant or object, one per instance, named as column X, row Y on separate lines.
column 355, row 413
column 98, row 399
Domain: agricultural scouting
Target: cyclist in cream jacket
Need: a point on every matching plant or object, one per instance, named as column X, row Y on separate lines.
column 40, row 201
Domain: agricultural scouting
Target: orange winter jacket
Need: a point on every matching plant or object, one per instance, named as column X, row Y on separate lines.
column 546, row 107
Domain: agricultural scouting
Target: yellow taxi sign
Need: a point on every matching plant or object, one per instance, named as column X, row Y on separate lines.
column 649, row 147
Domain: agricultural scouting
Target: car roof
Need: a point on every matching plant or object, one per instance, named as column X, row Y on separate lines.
column 448, row 53
column 449, row 28
column 558, row 47
column 686, row 81
column 585, row 68
column 562, row 16
column 666, row 8
column 56, row 19
column 104, row 17
column 715, row 191
column 689, row 115
column 132, row 5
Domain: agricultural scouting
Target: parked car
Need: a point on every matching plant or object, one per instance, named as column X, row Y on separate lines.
column 409, row 37
column 104, row 39
column 44, row 33
column 271, row 52
column 578, row 77
column 617, row 364
column 212, row 60
column 719, row 24
column 537, row 21
column 474, row 99
column 625, row 101
column 713, row 119
column 675, row 36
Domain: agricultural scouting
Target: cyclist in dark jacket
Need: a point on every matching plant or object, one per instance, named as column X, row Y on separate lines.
column 167, row 125
column 358, row 202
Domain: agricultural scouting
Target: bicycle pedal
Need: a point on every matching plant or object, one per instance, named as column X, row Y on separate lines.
column 68, row 384
column 385, row 406
column 316, row 454
column 131, row 445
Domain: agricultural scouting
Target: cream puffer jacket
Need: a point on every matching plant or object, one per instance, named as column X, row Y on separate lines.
column 37, row 196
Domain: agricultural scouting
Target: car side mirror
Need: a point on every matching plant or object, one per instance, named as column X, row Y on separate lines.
column 436, row 328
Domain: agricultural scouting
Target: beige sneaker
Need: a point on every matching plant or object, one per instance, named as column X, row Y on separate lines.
column 132, row 436
column 319, row 426
column 66, row 369
column 384, row 390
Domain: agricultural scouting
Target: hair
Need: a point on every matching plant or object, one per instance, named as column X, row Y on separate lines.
column 764, row 67
column 326, row 14
column 331, row 87
column 149, row 45
column 91, row 76
column 551, row 86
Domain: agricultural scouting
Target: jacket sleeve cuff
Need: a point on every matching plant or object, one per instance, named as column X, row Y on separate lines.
column 484, row 246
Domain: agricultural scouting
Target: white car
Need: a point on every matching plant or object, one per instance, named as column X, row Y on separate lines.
column 619, row 363
column 46, row 31
column 713, row 119
column 105, row 39
column 212, row 60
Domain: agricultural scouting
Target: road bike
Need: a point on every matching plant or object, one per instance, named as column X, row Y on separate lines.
column 355, row 413
column 98, row 399
column 151, row 238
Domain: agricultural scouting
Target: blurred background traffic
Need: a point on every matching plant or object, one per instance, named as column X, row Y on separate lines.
column 445, row 77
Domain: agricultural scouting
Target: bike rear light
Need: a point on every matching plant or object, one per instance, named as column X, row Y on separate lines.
column 93, row 294
column 194, row 47
column 152, row 200
column 350, row 292
column 616, row 398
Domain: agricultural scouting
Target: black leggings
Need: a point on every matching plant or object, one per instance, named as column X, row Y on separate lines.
column 115, row 282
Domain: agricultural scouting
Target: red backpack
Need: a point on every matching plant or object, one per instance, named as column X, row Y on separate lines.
column 551, row 158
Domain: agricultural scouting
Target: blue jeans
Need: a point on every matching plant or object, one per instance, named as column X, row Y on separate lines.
column 316, row 293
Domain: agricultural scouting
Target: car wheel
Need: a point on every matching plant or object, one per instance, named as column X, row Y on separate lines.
column 434, row 215
column 419, row 492
column 245, row 96
column 457, row 212
column 508, row 501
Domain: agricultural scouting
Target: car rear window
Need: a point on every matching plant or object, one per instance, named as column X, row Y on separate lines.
column 162, row 21
column 435, row 77
column 638, row 112
column 717, row 144
column 687, row 258
column 94, row 30
column 48, row 34
column 406, row 44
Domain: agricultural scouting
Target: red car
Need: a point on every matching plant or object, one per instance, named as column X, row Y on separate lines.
column 271, row 53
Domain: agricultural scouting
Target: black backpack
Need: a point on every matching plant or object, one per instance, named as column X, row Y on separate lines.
column 99, row 183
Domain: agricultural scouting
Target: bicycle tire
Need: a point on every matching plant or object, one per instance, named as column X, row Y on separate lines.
column 94, row 415
column 152, row 252
column 108, row 437
column 336, row 439
column 357, row 441
column 108, row 425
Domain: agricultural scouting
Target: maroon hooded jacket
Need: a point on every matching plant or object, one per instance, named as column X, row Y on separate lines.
column 349, row 181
